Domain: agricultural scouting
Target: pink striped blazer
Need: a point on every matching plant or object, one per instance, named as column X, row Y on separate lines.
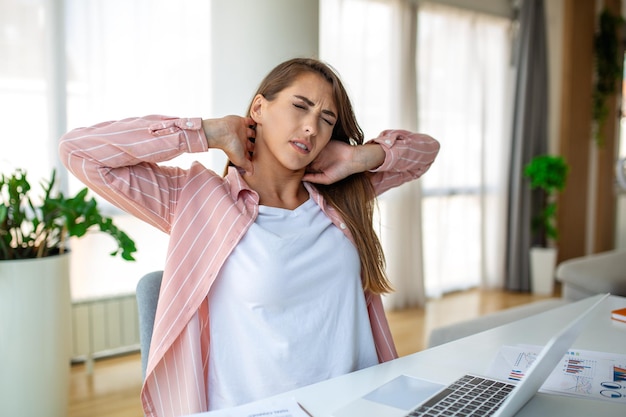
column 205, row 215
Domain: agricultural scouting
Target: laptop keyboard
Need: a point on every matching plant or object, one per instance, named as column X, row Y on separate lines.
column 468, row 396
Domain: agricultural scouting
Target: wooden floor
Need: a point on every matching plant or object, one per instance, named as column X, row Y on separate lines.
column 113, row 388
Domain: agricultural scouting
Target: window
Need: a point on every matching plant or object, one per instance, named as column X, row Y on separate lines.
column 120, row 56
column 24, row 105
column 462, row 92
column 462, row 89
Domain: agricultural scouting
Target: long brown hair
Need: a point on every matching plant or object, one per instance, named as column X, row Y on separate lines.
column 353, row 197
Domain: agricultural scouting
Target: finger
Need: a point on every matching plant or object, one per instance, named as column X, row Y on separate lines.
column 249, row 146
column 246, row 165
column 247, row 149
column 309, row 176
column 316, row 178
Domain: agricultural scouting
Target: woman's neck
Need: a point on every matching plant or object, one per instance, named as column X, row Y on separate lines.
column 277, row 189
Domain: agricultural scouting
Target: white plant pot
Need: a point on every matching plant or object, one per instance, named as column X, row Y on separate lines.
column 35, row 337
column 542, row 267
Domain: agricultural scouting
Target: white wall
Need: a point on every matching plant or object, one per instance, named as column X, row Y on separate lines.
column 249, row 38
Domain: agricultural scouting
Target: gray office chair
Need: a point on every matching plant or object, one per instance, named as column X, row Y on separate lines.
column 147, row 294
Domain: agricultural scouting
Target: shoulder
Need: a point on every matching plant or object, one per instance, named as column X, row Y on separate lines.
column 199, row 177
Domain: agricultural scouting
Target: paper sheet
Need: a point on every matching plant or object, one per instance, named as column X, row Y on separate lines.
column 581, row 373
column 277, row 407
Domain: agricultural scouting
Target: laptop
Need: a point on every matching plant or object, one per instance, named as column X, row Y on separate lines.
column 470, row 395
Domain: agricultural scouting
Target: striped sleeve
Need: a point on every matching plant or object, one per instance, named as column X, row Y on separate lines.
column 119, row 161
column 407, row 157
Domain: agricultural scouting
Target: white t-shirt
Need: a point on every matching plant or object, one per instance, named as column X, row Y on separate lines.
column 287, row 309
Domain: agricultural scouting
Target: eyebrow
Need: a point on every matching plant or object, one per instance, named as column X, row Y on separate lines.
column 310, row 103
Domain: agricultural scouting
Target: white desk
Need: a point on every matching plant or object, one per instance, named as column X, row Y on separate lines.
column 473, row 354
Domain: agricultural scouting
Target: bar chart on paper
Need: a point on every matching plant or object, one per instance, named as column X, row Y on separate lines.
column 522, row 363
column 581, row 373
column 578, row 374
column 619, row 373
column 579, row 367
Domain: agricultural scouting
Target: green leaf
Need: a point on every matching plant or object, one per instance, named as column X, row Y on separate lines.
column 28, row 230
column 547, row 173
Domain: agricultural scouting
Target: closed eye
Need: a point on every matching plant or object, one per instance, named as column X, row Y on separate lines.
column 305, row 105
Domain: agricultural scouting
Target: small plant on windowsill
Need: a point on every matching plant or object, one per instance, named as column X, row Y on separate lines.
column 548, row 174
column 38, row 228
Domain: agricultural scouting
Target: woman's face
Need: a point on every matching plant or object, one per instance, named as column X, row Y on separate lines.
column 293, row 128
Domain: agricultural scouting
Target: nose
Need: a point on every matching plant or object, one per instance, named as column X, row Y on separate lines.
column 310, row 125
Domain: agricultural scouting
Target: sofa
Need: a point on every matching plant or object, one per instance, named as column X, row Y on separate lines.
column 579, row 277
column 593, row 274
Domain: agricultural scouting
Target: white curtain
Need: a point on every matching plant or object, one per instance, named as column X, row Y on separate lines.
column 125, row 57
column 442, row 71
column 120, row 56
column 464, row 85
column 372, row 44
column 25, row 78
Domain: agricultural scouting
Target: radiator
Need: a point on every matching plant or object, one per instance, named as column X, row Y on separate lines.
column 104, row 327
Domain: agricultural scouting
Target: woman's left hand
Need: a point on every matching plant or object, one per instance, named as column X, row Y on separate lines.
column 339, row 160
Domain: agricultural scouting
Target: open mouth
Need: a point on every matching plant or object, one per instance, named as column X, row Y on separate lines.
column 301, row 145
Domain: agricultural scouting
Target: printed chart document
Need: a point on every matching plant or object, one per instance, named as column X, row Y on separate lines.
column 276, row 407
column 581, row 373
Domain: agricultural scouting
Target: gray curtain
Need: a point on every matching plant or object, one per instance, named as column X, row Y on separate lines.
column 530, row 137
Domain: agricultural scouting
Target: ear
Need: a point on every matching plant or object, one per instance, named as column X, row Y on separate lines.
column 256, row 109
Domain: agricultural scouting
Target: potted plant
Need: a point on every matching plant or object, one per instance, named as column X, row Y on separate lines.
column 547, row 175
column 29, row 230
column 35, row 304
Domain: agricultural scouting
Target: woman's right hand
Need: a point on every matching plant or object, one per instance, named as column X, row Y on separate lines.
column 235, row 136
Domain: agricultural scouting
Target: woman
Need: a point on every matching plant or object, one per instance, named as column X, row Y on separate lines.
column 274, row 273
